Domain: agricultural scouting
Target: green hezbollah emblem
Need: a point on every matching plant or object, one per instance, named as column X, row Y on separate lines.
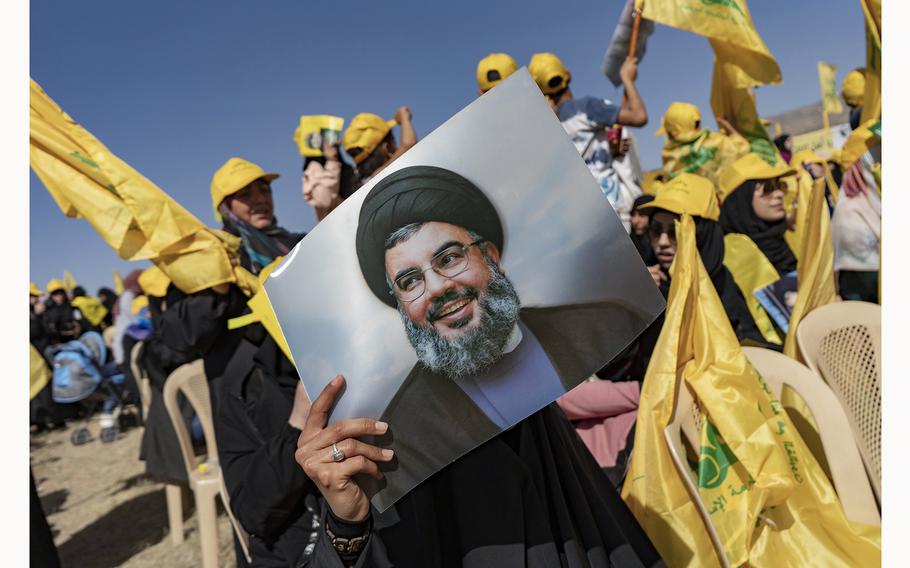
column 714, row 460
column 696, row 158
column 727, row 3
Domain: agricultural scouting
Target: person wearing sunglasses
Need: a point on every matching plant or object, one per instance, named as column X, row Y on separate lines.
column 695, row 195
column 752, row 194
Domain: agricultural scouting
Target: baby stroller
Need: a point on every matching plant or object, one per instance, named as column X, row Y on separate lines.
column 81, row 375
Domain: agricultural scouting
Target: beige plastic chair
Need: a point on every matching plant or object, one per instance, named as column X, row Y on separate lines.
column 848, row 474
column 686, row 422
column 204, row 472
column 173, row 493
column 850, row 481
column 841, row 342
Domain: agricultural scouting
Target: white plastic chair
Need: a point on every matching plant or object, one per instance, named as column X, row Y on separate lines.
column 204, row 472
column 841, row 342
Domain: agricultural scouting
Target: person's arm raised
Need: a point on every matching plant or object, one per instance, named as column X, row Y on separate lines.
column 635, row 114
column 408, row 134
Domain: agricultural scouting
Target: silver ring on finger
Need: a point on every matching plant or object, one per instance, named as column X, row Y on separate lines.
column 337, row 454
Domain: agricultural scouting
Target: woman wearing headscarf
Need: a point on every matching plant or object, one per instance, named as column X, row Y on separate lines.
column 754, row 206
column 263, row 406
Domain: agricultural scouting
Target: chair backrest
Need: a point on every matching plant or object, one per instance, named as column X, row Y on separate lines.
column 848, row 473
column 842, row 343
column 142, row 380
column 686, row 422
column 190, row 380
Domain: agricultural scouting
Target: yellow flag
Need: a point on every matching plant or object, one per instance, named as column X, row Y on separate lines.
column 751, row 270
column 39, row 372
column 68, row 281
column 728, row 24
column 741, row 60
column 92, row 308
column 872, row 95
column 863, row 138
column 134, row 216
column 815, row 270
column 262, row 311
column 827, row 80
column 769, row 500
column 118, row 283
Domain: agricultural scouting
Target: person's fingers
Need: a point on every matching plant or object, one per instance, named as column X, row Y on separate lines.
column 352, row 448
column 359, row 464
column 319, row 410
column 351, row 428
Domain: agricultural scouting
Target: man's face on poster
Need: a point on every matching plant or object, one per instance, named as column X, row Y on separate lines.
column 466, row 307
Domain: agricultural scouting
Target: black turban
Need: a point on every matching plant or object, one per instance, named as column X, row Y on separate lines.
column 418, row 194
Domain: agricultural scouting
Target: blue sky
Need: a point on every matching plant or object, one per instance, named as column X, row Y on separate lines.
column 176, row 88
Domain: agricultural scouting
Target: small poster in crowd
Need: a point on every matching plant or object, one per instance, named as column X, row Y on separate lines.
column 779, row 299
column 471, row 283
column 315, row 131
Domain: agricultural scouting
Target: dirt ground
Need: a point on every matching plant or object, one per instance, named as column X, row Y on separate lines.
column 103, row 510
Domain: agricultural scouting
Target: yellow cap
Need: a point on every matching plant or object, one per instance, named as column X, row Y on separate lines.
column 365, row 132
column 854, row 86
column 750, row 166
column 33, row 289
column 494, row 68
column 55, row 285
column 679, row 122
column 233, row 176
column 549, row 73
column 804, row 157
column 653, row 181
column 154, row 282
column 687, row 193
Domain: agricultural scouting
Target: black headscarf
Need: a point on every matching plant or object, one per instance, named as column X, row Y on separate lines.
column 418, row 194
column 738, row 216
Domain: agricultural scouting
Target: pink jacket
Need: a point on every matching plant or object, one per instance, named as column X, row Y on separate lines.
column 603, row 413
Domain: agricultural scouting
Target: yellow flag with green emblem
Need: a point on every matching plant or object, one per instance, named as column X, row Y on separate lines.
column 135, row 217
column 742, row 60
column 827, row 80
column 768, row 499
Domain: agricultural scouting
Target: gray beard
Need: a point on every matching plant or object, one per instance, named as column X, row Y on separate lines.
column 479, row 348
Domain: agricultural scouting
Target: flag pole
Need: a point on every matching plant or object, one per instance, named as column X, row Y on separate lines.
column 633, row 44
column 826, row 124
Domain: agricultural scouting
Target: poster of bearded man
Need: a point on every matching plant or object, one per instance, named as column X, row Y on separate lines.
column 471, row 283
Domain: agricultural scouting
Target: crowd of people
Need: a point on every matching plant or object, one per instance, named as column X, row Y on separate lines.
column 541, row 493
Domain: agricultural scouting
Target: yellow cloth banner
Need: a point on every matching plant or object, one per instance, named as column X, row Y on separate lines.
column 262, row 311
column 868, row 135
column 827, row 80
column 118, row 283
column 751, row 270
column 705, row 155
column 134, row 216
column 742, row 60
column 815, row 271
column 39, row 372
column 769, row 501
column 92, row 308
column 68, row 281
column 872, row 95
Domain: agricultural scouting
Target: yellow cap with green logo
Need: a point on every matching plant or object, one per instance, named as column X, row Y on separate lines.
column 687, row 193
column 365, row 132
column 549, row 73
column 494, row 68
column 233, row 176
